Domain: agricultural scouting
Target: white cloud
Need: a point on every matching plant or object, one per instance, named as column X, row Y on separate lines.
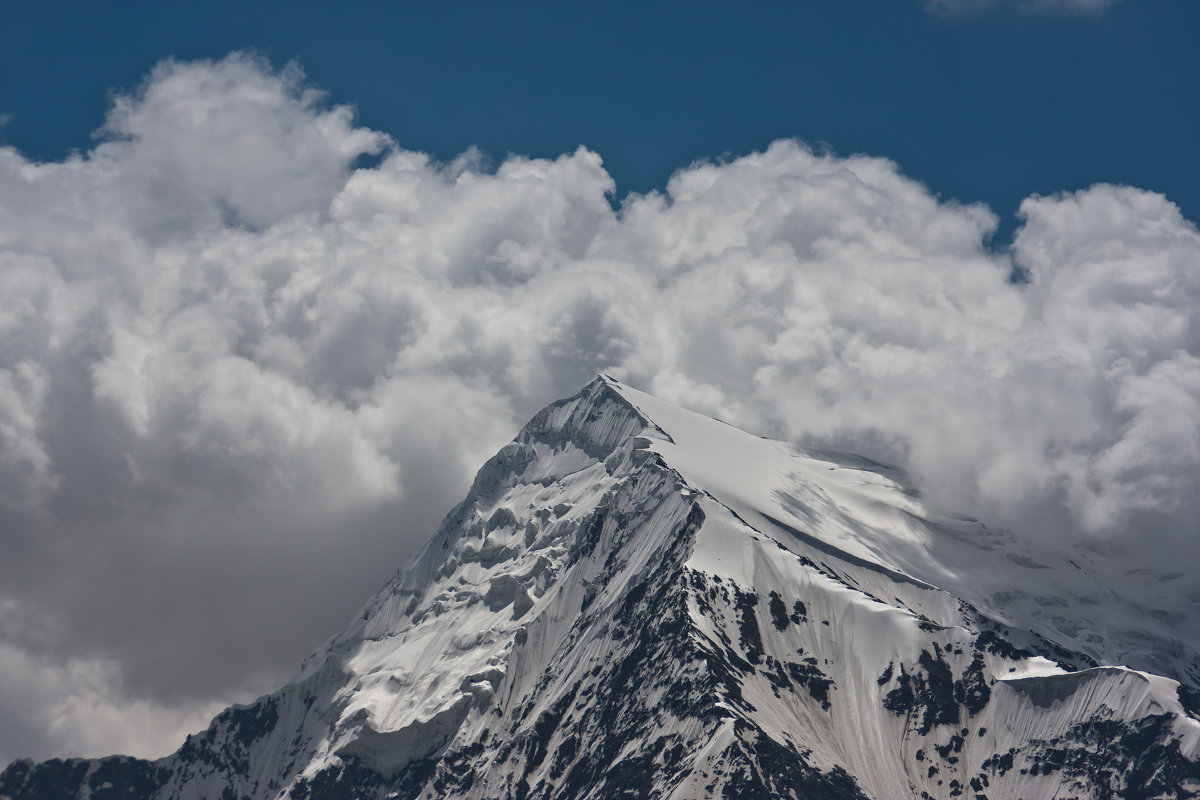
column 241, row 379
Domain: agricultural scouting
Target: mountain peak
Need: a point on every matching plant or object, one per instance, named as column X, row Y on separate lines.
column 637, row 600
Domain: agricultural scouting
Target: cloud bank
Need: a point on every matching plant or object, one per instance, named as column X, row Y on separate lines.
column 250, row 353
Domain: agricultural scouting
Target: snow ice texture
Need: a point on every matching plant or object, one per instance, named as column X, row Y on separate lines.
column 637, row 601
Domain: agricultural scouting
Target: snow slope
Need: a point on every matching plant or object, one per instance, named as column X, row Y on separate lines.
column 1088, row 601
column 637, row 601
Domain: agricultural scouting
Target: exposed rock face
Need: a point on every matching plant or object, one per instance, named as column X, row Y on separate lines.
column 635, row 601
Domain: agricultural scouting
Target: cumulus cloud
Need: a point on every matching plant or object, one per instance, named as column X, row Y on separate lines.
column 242, row 375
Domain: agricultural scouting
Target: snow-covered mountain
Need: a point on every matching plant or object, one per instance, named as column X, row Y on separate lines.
column 637, row 601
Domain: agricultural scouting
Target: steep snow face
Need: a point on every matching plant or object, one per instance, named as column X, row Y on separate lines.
column 634, row 600
column 1091, row 602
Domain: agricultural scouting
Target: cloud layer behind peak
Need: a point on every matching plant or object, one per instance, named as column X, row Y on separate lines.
column 241, row 378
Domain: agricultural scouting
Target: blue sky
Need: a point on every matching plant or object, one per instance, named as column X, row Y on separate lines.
column 990, row 105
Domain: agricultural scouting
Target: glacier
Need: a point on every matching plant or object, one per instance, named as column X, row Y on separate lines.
column 634, row 600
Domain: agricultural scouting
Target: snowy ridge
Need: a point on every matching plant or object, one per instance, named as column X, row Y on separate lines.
column 1081, row 600
column 635, row 600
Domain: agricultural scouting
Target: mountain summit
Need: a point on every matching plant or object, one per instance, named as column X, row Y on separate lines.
column 637, row 601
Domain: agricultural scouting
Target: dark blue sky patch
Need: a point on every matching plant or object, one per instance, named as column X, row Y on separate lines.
column 990, row 106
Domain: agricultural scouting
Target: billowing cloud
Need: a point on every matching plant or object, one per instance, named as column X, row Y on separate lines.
column 242, row 375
